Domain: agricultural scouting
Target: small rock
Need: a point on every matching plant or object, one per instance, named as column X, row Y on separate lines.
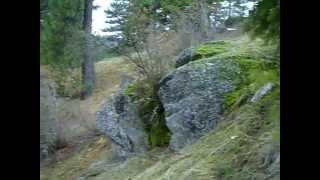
column 262, row 92
column 184, row 57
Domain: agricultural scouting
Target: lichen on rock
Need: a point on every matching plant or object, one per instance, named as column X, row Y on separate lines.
column 192, row 96
column 118, row 119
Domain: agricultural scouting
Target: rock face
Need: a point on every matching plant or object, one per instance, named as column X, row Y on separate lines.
column 192, row 96
column 119, row 120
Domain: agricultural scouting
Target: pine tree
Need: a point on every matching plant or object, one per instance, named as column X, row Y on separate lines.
column 264, row 20
column 61, row 39
column 116, row 17
column 88, row 73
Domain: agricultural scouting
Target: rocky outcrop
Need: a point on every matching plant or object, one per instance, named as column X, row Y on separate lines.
column 192, row 96
column 118, row 119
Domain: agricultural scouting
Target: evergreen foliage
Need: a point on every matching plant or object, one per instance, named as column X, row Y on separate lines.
column 61, row 40
column 264, row 20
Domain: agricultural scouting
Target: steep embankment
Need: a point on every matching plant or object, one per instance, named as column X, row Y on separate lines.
column 243, row 145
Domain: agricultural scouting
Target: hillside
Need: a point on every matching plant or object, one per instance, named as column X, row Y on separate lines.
column 243, row 145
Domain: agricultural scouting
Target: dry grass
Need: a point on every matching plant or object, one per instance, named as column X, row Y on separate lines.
column 77, row 118
column 79, row 159
column 108, row 78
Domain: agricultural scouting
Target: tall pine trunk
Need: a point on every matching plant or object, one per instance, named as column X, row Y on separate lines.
column 88, row 73
column 205, row 27
column 229, row 9
column 201, row 30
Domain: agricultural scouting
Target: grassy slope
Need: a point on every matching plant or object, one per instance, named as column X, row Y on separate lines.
column 78, row 117
column 241, row 147
column 77, row 161
column 109, row 73
column 235, row 150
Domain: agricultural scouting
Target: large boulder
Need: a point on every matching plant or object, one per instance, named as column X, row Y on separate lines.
column 192, row 96
column 118, row 119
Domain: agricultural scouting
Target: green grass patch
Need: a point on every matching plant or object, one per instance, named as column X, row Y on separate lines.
column 254, row 74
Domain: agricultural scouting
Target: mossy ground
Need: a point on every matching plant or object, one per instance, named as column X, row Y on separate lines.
column 210, row 49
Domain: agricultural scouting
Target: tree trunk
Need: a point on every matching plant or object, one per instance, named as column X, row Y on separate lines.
column 230, row 9
column 202, row 23
column 204, row 20
column 88, row 73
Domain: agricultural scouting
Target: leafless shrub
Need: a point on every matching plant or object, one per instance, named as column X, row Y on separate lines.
column 153, row 57
column 193, row 26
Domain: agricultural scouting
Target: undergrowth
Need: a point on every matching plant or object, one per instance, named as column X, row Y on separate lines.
column 150, row 111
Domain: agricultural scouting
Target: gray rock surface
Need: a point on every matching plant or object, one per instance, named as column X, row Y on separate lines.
column 192, row 96
column 119, row 120
column 184, row 57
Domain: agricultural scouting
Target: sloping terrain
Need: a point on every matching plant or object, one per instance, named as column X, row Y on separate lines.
column 244, row 145
column 78, row 120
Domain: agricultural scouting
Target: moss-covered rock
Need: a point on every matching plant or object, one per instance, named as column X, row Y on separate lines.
column 192, row 96
column 210, row 49
column 205, row 50
column 150, row 111
column 215, row 78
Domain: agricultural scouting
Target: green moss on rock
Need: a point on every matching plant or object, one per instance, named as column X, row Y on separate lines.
column 253, row 74
column 150, row 111
column 212, row 48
